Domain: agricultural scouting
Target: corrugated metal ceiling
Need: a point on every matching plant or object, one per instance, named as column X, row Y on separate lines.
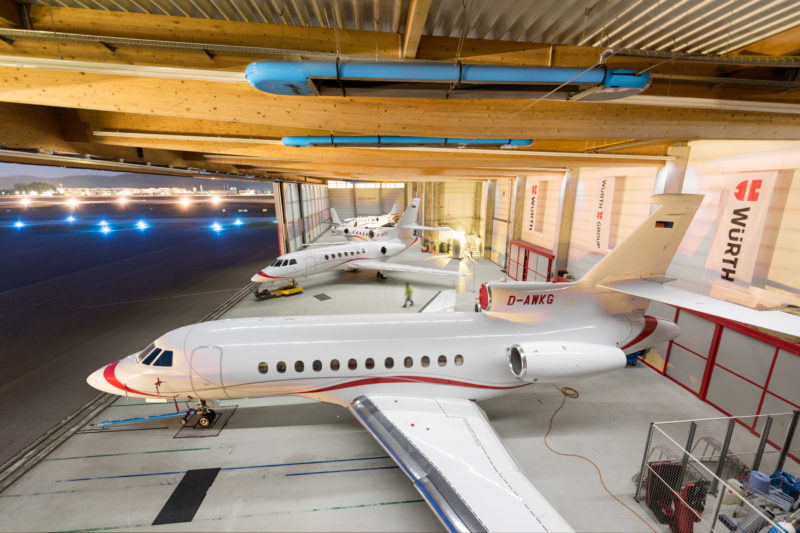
column 688, row 26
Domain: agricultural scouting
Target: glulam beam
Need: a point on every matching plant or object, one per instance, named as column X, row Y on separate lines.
column 415, row 24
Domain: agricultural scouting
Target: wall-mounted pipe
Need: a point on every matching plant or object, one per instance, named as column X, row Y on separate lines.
column 387, row 140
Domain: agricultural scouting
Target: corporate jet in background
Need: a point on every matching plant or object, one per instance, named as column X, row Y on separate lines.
column 364, row 231
column 412, row 380
column 373, row 222
column 370, row 255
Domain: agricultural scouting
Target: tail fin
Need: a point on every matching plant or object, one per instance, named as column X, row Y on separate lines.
column 335, row 218
column 409, row 218
column 649, row 250
column 395, row 209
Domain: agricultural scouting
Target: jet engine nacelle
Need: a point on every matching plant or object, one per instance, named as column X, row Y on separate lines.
column 551, row 362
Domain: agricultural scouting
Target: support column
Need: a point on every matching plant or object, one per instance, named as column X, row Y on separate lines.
column 566, row 214
column 280, row 216
column 491, row 190
column 670, row 177
column 517, row 208
column 355, row 203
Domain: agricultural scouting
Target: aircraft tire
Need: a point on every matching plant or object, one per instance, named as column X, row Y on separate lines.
column 204, row 421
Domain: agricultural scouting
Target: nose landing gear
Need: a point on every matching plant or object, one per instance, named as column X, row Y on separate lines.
column 205, row 415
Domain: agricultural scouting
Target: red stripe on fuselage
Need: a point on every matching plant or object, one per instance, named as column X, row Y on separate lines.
column 650, row 324
column 409, row 379
column 108, row 373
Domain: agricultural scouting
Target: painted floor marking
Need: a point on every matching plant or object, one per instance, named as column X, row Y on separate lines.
column 121, row 454
column 337, row 471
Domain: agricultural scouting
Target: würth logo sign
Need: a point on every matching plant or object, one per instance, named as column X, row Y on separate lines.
column 745, row 191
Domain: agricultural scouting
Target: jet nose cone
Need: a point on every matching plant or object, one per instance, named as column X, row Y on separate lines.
column 98, row 381
column 260, row 277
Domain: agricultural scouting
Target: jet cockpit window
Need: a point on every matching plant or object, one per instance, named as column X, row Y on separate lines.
column 293, row 262
column 165, row 359
column 149, row 359
column 275, row 263
column 144, row 353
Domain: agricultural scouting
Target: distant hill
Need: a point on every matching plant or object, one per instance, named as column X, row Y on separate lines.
column 136, row 180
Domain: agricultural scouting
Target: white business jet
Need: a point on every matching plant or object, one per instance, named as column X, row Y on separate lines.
column 370, row 255
column 356, row 232
column 372, row 222
column 412, row 379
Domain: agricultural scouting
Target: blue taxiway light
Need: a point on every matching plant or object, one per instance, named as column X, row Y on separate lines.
column 71, row 219
column 105, row 230
column 103, row 223
column 19, row 224
column 238, row 222
column 216, row 226
column 142, row 225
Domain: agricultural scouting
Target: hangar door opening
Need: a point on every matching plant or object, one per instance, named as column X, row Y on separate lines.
column 500, row 220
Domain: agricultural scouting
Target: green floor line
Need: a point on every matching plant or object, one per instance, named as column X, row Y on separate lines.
column 127, row 453
column 253, row 515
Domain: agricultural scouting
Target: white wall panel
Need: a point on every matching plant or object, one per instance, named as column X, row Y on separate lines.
column 657, row 309
column 686, row 368
column 785, row 380
column 745, row 355
column 733, row 394
column 780, row 425
column 696, row 333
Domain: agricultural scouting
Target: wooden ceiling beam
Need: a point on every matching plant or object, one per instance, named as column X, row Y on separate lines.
column 238, row 102
column 415, row 24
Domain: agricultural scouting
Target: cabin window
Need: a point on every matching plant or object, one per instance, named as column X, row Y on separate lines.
column 442, row 360
column 144, row 353
column 369, row 363
column 326, row 257
column 165, row 359
column 263, row 367
column 153, row 355
column 281, row 367
column 426, row 361
column 363, row 251
column 352, row 364
column 334, row 364
column 408, row 362
column 345, row 254
column 389, row 362
column 299, row 366
column 317, row 365
column 340, row 255
column 459, row 360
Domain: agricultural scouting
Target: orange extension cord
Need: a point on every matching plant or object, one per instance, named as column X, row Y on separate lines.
column 569, row 392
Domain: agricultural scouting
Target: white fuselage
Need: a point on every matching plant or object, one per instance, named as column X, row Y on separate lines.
column 310, row 262
column 338, row 358
column 371, row 222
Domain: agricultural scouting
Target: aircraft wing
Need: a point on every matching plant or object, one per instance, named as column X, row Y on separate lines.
column 653, row 290
column 457, row 463
column 443, row 301
column 368, row 264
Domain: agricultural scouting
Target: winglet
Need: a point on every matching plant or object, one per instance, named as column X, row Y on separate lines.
column 335, row 218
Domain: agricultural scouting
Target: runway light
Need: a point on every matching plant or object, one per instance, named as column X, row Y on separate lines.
column 142, row 225
column 25, row 202
column 70, row 219
column 19, row 224
column 216, row 226
column 105, row 230
column 122, row 200
column 73, row 202
column 216, row 200
column 185, row 202
column 238, row 222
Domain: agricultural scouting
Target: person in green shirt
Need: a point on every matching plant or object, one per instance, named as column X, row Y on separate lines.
column 408, row 295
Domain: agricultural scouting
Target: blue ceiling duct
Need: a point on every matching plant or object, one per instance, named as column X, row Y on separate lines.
column 387, row 141
column 442, row 80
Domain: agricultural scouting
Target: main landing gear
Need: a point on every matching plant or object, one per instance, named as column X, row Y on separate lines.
column 205, row 415
column 380, row 276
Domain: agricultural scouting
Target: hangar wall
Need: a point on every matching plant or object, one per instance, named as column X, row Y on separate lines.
column 302, row 212
column 365, row 199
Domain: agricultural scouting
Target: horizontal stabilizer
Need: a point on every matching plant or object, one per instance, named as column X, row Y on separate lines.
column 771, row 320
column 443, row 301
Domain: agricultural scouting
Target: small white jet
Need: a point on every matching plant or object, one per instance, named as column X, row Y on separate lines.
column 370, row 255
column 361, row 231
column 412, row 380
column 375, row 221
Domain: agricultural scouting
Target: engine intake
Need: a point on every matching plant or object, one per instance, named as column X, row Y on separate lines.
column 551, row 362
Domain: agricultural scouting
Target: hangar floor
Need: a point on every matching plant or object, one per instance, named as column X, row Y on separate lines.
column 291, row 464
